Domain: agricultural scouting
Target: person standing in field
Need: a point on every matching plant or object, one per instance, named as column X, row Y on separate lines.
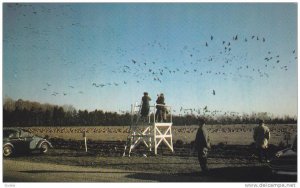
column 201, row 145
column 145, row 105
column 261, row 137
column 160, row 109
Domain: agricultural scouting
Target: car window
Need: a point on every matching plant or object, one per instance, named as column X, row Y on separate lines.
column 294, row 146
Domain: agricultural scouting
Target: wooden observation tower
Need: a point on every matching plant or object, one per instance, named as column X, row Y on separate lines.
column 149, row 131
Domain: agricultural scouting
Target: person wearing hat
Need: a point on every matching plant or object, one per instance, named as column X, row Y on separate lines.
column 201, row 145
column 261, row 137
column 145, row 105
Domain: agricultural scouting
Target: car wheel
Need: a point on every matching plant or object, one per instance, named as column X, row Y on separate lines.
column 44, row 148
column 7, row 151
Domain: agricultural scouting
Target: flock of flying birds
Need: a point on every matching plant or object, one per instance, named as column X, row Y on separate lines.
column 208, row 113
column 224, row 55
column 223, row 59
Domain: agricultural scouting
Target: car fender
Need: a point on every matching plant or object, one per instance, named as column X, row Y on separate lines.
column 9, row 144
column 43, row 141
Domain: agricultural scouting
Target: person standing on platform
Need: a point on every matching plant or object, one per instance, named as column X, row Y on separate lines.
column 145, row 105
column 160, row 109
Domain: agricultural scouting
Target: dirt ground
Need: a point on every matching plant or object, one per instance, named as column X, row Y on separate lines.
column 62, row 165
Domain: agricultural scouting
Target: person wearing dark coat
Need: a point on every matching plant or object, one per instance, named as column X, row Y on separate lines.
column 202, row 145
column 160, row 109
column 145, row 105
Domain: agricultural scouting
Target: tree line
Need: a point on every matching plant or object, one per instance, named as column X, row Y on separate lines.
column 21, row 113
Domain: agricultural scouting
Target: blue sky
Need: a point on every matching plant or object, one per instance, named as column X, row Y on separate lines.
column 105, row 55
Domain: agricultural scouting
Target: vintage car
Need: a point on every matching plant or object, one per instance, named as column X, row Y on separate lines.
column 285, row 161
column 17, row 140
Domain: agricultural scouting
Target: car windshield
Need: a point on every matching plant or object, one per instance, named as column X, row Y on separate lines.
column 10, row 133
column 26, row 134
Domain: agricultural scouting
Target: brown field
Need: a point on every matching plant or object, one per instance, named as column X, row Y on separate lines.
column 226, row 134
